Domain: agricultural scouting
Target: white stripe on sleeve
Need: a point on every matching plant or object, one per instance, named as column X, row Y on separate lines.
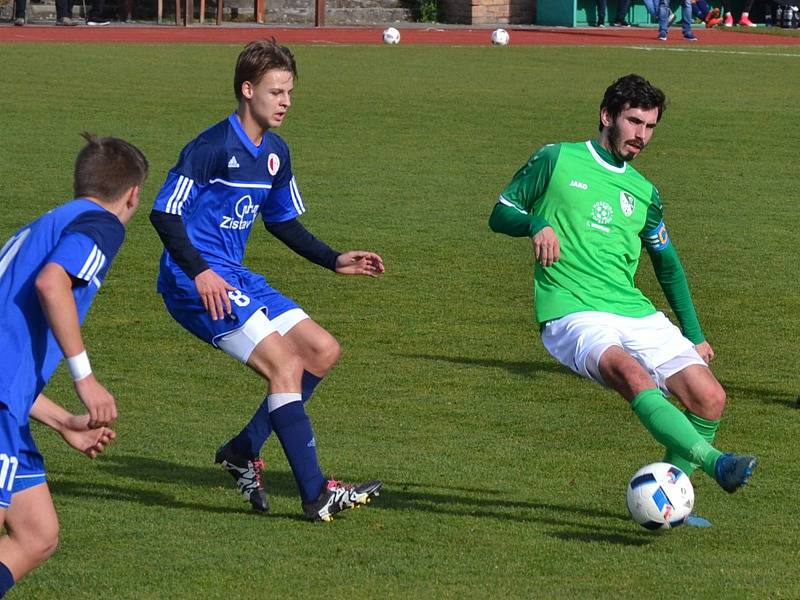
column 185, row 196
column 175, row 191
column 505, row 202
column 296, row 199
column 88, row 264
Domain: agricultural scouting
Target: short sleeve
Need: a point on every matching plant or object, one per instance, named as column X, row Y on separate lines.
column 80, row 256
column 284, row 201
column 89, row 244
column 194, row 169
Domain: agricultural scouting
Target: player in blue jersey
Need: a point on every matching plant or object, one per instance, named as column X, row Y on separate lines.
column 50, row 271
column 232, row 174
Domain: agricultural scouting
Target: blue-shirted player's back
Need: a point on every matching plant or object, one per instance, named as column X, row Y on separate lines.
column 83, row 238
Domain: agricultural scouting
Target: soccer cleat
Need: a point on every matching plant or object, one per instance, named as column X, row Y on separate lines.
column 246, row 473
column 728, row 20
column 745, row 22
column 695, row 520
column 337, row 496
column 733, row 471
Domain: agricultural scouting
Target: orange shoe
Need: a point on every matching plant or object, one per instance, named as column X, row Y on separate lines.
column 746, row 22
column 713, row 22
column 711, row 16
column 729, row 20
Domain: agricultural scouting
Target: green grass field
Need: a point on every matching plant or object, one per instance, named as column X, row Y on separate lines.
column 504, row 475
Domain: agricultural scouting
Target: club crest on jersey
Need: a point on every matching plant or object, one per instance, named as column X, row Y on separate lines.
column 627, row 202
column 602, row 214
column 273, row 164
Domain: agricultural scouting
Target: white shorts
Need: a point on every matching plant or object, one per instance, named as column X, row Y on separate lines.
column 241, row 342
column 578, row 341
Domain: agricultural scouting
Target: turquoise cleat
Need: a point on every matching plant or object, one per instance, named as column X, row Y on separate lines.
column 695, row 520
column 733, row 471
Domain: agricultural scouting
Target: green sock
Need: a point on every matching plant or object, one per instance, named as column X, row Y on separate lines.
column 707, row 430
column 670, row 427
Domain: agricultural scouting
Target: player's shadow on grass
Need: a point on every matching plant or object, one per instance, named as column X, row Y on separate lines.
column 579, row 523
column 139, row 468
column 764, row 395
column 526, row 368
column 95, row 491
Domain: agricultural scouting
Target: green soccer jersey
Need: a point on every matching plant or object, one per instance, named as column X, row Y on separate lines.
column 603, row 211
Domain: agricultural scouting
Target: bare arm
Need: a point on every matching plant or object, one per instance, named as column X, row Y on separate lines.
column 54, row 287
column 73, row 428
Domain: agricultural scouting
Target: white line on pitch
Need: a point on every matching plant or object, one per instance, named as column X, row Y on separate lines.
column 703, row 50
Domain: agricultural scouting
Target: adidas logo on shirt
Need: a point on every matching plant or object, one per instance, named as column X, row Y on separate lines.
column 233, row 163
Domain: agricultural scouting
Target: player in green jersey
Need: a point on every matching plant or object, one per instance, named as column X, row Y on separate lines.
column 588, row 214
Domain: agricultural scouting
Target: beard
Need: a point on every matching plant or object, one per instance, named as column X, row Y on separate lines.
column 618, row 144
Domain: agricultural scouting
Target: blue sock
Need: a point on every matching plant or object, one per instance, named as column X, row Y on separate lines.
column 294, row 430
column 308, row 384
column 255, row 434
column 250, row 440
column 6, row 580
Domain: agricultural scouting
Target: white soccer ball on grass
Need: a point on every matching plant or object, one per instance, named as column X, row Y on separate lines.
column 500, row 37
column 391, row 36
column 660, row 496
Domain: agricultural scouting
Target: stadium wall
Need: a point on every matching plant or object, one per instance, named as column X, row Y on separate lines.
column 487, row 12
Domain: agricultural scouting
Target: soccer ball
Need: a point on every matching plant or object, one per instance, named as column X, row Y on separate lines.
column 660, row 496
column 391, row 36
column 500, row 37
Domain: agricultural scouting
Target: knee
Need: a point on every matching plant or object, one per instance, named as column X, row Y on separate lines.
column 329, row 354
column 40, row 543
column 715, row 401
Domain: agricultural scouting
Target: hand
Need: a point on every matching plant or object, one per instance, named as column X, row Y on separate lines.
column 100, row 403
column 91, row 442
column 705, row 351
column 546, row 247
column 358, row 262
column 213, row 291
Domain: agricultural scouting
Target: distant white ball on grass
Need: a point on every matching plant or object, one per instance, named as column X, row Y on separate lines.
column 500, row 37
column 391, row 36
column 660, row 496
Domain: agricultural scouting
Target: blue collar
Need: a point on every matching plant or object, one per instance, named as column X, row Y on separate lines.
column 244, row 138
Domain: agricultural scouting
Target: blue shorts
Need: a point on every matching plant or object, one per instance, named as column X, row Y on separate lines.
column 21, row 464
column 252, row 293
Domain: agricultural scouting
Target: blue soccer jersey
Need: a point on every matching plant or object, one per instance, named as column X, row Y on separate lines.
column 83, row 238
column 221, row 183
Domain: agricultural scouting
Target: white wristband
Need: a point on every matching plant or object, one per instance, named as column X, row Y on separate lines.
column 79, row 366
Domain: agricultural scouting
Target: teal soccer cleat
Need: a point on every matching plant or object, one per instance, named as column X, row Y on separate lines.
column 733, row 471
column 695, row 520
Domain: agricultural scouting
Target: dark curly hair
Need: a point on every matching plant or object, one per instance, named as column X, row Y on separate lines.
column 632, row 91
